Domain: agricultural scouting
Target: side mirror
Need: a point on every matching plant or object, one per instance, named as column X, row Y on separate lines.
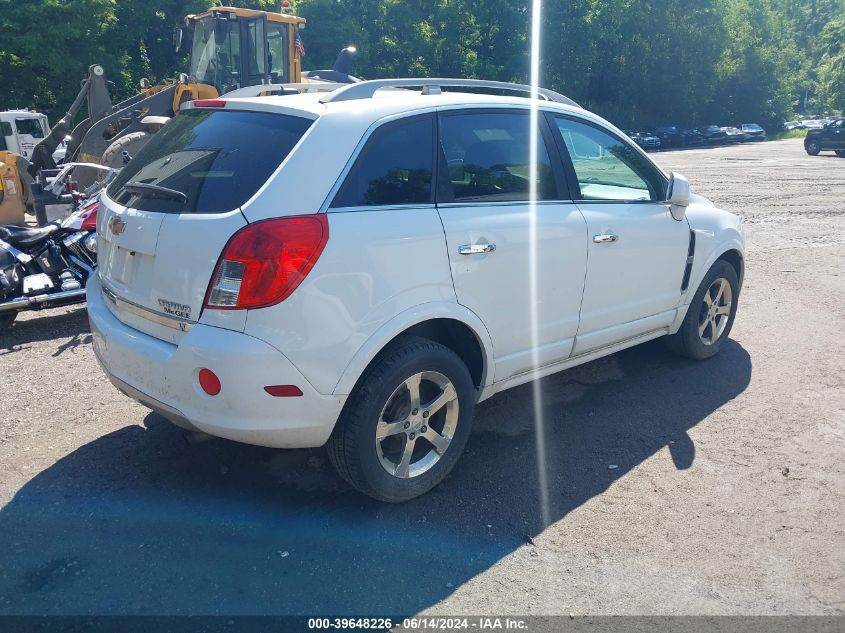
column 678, row 196
column 177, row 40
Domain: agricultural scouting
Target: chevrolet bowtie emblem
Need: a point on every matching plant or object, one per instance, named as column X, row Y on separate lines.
column 116, row 225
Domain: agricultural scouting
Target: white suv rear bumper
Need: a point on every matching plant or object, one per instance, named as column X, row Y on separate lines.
column 163, row 377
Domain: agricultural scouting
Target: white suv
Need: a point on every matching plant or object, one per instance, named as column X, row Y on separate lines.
column 361, row 267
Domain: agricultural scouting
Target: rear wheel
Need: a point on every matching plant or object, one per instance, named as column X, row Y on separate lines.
column 813, row 148
column 132, row 143
column 407, row 422
column 710, row 315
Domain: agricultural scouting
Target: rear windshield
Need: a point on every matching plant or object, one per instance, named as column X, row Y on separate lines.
column 217, row 158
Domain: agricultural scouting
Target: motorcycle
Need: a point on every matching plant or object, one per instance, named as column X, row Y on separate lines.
column 48, row 266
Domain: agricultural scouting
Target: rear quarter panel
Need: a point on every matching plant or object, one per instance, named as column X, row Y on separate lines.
column 376, row 265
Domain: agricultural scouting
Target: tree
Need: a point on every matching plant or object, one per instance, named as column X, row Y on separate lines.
column 832, row 66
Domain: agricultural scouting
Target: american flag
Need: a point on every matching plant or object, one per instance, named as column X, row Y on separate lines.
column 297, row 44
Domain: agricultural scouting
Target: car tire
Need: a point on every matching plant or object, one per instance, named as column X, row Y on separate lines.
column 6, row 320
column 384, row 441
column 840, row 153
column 813, row 148
column 710, row 315
column 132, row 143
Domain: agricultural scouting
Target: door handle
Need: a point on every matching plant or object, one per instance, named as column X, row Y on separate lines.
column 475, row 249
column 605, row 238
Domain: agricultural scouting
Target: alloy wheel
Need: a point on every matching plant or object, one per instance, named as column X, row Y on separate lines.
column 715, row 311
column 417, row 424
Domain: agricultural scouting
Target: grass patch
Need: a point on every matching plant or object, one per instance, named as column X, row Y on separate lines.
column 779, row 136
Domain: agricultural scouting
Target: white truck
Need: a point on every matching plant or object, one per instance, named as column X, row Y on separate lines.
column 22, row 130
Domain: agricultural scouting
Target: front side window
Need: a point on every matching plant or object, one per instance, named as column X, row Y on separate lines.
column 606, row 167
column 394, row 167
column 488, row 157
column 30, row 126
column 257, row 60
column 277, row 52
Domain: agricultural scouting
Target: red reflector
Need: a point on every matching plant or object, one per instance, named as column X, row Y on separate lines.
column 265, row 261
column 209, row 382
column 284, row 391
column 209, row 103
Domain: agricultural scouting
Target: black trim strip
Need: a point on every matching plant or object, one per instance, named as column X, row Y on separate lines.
column 690, row 258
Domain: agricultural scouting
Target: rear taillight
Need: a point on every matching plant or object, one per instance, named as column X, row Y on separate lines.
column 264, row 262
column 89, row 217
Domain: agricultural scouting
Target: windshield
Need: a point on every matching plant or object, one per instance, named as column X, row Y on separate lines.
column 751, row 127
column 215, row 56
column 211, row 161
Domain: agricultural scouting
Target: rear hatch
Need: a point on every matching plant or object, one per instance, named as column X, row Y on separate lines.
column 169, row 213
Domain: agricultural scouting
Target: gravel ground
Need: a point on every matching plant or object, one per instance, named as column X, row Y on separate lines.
column 675, row 487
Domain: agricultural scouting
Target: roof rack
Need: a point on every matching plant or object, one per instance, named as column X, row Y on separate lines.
column 255, row 91
column 431, row 86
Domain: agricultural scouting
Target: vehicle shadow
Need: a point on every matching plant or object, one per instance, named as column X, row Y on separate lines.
column 70, row 323
column 150, row 520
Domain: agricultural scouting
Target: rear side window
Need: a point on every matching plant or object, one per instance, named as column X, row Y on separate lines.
column 394, row 168
column 488, row 157
column 217, row 159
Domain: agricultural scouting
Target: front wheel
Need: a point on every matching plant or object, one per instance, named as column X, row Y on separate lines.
column 813, row 148
column 710, row 315
column 406, row 423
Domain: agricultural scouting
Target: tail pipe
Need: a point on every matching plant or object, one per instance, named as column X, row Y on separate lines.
column 25, row 303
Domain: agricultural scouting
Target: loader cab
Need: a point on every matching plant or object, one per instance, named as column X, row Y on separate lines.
column 233, row 48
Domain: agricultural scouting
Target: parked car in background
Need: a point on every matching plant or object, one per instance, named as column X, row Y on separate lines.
column 734, row 134
column 713, row 134
column 793, row 125
column 830, row 137
column 813, row 124
column 371, row 310
column 692, row 138
column 670, row 136
column 753, row 132
column 648, row 142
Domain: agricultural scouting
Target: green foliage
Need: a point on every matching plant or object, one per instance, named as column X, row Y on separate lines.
column 791, row 134
column 832, row 66
column 638, row 62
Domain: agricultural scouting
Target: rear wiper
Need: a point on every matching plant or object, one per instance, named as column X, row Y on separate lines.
column 146, row 190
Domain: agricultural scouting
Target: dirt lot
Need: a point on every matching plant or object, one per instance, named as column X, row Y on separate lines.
column 675, row 487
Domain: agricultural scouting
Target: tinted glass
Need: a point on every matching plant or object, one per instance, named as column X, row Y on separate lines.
column 6, row 128
column 394, row 168
column 488, row 155
column 217, row 158
column 606, row 167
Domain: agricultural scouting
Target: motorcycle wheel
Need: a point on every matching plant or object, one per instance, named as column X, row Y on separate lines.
column 6, row 319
